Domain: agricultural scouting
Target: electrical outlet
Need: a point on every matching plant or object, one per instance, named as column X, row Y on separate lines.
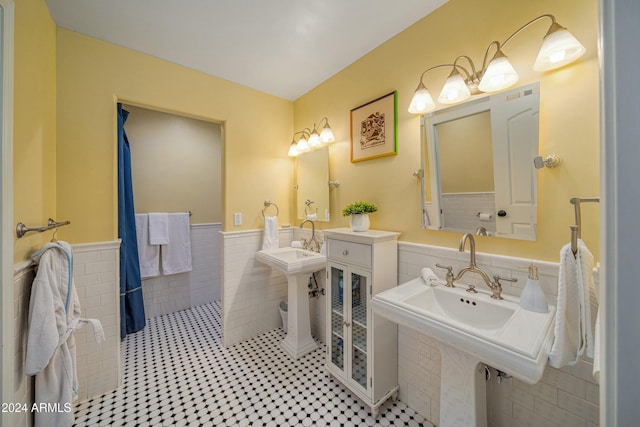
column 237, row 219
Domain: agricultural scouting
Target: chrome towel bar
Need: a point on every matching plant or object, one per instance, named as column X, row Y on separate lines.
column 22, row 229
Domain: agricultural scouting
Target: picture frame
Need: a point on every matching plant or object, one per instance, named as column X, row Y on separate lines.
column 374, row 128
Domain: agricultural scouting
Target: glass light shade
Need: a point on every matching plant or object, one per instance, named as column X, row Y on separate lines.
column 293, row 150
column 302, row 145
column 326, row 136
column 421, row 102
column 499, row 75
column 454, row 90
column 559, row 47
column 314, row 139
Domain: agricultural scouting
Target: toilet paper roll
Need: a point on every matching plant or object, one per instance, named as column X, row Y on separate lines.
column 485, row 216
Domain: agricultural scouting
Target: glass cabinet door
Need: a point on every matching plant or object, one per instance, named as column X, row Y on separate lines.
column 359, row 324
column 337, row 349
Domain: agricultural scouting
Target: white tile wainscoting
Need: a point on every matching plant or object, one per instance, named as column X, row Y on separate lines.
column 252, row 291
column 564, row 397
column 96, row 277
column 168, row 294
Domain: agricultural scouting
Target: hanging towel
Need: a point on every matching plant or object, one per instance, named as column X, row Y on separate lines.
column 54, row 313
column 176, row 256
column 148, row 255
column 576, row 299
column 158, row 228
column 270, row 240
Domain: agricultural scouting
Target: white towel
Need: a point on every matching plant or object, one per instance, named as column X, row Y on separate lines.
column 429, row 276
column 576, row 294
column 158, row 228
column 270, row 238
column 176, row 256
column 148, row 255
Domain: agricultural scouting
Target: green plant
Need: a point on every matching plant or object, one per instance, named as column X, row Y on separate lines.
column 356, row 208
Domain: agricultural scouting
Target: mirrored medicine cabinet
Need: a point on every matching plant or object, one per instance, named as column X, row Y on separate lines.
column 478, row 162
column 312, row 185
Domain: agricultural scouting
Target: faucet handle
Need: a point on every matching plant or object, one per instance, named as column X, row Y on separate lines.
column 496, row 290
column 449, row 276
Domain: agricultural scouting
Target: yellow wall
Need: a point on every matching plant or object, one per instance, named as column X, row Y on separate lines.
column 568, row 118
column 94, row 75
column 176, row 164
column 34, row 128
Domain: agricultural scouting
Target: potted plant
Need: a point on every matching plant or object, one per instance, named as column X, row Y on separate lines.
column 359, row 213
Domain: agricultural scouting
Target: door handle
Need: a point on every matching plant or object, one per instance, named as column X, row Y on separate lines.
column 502, row 213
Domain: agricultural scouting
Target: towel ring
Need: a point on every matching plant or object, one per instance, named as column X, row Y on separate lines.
column 268, row 203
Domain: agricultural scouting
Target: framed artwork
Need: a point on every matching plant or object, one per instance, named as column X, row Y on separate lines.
column 374, row 128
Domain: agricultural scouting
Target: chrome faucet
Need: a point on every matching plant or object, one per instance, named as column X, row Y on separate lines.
column 311, row 244
column 495, row 286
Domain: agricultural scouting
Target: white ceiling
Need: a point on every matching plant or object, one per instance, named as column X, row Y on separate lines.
column 282, row 47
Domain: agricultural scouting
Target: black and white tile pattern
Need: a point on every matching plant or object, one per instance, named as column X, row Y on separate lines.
column 177, row 373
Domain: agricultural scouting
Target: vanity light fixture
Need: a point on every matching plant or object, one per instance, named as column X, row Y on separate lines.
column 311, row 139
column 558, row 48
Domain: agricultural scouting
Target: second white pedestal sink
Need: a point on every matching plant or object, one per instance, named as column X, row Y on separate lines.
column 297, row 265
column 471, row 329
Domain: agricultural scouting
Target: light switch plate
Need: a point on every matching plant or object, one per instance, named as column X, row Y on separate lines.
column 237, row 219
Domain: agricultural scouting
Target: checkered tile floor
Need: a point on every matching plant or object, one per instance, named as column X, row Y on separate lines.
column 176, row 373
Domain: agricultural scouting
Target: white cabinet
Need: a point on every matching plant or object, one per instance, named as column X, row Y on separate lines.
column 362, row 348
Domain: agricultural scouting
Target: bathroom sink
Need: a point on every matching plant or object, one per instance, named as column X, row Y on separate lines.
column 497, row 332
column 292, row 260
column 297, row 264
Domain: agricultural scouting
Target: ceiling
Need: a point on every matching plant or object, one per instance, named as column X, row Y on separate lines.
column 281, row 47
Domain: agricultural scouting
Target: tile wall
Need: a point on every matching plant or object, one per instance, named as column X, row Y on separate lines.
column 96, row 276
column 564, row 397
column 251, row 291
column 168, row 294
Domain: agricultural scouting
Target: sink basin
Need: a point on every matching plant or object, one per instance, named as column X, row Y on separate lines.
column 292, row 260
column 497, row 332
column 297, row 265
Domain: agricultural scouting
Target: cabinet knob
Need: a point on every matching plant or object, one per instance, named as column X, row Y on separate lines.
column 345, row 252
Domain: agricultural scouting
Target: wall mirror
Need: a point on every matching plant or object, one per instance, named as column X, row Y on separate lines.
column 312, row 185
column 478, row 162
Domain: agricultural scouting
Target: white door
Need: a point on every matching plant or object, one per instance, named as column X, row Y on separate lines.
column 514, row 125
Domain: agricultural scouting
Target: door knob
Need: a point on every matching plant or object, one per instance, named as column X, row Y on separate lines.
column 502, row 213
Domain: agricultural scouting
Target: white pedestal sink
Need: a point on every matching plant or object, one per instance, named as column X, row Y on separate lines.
column 471, row 329
column 297, row 265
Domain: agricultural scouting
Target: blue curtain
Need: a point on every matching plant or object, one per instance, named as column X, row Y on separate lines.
column 132, row 317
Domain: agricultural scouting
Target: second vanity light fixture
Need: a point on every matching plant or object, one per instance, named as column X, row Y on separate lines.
column 311, row 139
column 558, row 48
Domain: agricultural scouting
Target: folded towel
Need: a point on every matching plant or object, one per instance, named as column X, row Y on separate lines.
column 429, row 276
column 158, row 228
column 576, row 294
column 148, row 255
column 297, row 244
column 270, row 238
column 176, row 256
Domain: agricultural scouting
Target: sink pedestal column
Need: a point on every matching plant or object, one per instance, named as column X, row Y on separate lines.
column 298, row 341
column 463, row 393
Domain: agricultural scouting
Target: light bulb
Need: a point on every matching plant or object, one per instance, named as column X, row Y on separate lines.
column 302, row 145
column 499, row 75
column 293, row 150
column 422, row 102
column 326, row 136
column 454, row 90
column 559, row 47
column 314, row 139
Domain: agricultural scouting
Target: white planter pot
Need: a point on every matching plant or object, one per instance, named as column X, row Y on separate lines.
column 359, row 222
